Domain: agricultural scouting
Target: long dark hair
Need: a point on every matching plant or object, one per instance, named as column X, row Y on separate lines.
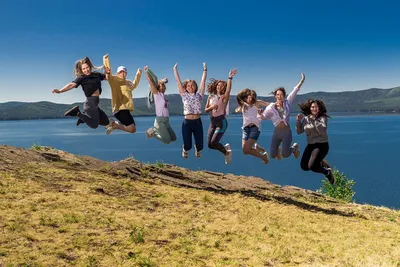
column 282, row 89
column 242, row 96
column 306, row 107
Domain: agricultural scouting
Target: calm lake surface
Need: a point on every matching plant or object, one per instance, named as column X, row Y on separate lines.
column 365, row 148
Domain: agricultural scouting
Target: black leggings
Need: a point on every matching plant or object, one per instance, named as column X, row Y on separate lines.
column 216, row 130
column 312, row 157
column 93, row 115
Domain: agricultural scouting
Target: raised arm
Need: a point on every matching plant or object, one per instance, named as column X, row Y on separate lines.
column 203, row 79
column 178, row 80
column 66, row 88
column 303, row 77
column 232, row 73
column 132, row 85
column 107, row 66
column 299, row 124
column 293, row 94
column 152, row 79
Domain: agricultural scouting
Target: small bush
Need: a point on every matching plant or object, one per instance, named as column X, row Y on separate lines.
column 36, row 146
column 160, row 164
column 137, row 234
column 342, row 189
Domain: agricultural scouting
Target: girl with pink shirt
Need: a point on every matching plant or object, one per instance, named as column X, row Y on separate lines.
column 217, row 105
column 162, row 130
column 249, row 106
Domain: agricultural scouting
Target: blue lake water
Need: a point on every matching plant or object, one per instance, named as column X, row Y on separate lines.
column 365, row 148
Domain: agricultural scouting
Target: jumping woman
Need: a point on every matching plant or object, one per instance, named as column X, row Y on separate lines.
column 314, row 123
column 90, row 81
column 217, row 104
column 192, row 101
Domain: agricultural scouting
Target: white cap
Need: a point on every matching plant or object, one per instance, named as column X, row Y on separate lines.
column 121, row 68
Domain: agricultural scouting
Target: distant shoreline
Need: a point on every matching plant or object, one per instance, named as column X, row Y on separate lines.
column 334, row 113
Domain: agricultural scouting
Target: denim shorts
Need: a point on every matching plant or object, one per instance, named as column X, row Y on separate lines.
column 251, row 132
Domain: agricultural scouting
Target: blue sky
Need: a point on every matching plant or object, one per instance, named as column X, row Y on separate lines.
column 339, row 45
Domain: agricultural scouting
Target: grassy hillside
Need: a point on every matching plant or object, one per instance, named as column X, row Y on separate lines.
column 58, row 209
column 385, row 100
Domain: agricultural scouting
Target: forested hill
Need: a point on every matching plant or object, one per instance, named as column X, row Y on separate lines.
column 369, row 100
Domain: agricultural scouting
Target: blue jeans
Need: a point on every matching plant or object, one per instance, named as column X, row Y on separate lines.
column 194, row 127
column 251, row 132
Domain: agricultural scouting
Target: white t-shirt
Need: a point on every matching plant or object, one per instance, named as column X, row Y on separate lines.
column 250, row 117
column 161, row 103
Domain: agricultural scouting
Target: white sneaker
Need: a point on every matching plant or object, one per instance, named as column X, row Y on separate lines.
column 260, row 149
column 265, row 157
column 185, row 154
column 228, row 155
column 110, row 123
column 296, row 150
column 149, row 133
column 197, row 153
column 109, row 130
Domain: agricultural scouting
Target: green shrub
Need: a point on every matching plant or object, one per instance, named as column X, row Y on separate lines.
column 342, row 189
column 36, row 146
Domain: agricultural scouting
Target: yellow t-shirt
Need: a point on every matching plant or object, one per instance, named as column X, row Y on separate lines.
column 121, row 90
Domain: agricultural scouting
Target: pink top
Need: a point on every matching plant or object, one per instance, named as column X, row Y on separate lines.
column 223, row 108
column 161, row 103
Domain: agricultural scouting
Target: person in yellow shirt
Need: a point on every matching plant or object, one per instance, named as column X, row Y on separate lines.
column 121, row 97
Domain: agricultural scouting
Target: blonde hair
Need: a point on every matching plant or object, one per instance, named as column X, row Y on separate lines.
column 80, row 62
column 194, row 84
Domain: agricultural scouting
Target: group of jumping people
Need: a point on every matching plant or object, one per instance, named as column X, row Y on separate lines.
column 312, row 121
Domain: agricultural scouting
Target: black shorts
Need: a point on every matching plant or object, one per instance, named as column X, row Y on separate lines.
column 125, row 117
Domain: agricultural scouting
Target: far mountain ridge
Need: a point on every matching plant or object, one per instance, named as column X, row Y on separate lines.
column 367, row 100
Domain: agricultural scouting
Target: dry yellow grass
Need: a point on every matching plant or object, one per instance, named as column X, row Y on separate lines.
column 54, row 216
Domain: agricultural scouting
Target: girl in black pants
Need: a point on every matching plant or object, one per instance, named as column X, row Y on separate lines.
column 314, row 124
column 90, row 81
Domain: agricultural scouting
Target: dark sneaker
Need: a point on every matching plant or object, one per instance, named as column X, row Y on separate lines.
column 330, row 176
column 72, row 112
column 79, row 121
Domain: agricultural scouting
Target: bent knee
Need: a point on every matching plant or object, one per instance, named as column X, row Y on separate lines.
column 131, row 129
column 304, row 167
column 246, row 151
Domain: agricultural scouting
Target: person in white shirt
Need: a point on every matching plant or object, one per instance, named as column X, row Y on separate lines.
column 249, row 106
column 279, row 113
column 162, row 130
